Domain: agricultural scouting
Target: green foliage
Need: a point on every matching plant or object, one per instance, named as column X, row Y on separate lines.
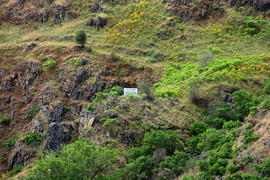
column 80, row 37
column 179, row 76
column 90, row 107
column 266, row 88
column 16, row 169
column 231, row 168
column 11, row 141
column 249, row 134
column 139, row 168
column 108, row 122
column 244, row 103
column 5, row 119
column 264, row 168
column 32, row 113
column 244, row 176
column 216, row 163
column 32, row 138
column 47, row 65
column 170, row 140
column 198, row 127
column 213, row 138
column 116, row 90
column 79, row 160
column 175, row 163
column 154, row 57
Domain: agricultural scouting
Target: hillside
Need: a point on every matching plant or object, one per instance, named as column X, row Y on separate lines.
column 201, row 67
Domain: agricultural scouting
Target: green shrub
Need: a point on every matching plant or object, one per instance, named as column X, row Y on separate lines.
column 249, row 134
column 90, row 107
column 139, row 168
column 264, row 168
column 244, row 102
column 79, row 160
column 32, row 137
column 11, row 141
column 231, row 168
column 5, row 119
column 154, row 57
column 32, row 113
column 80, row 37
column 108, row 122
column 198, row 127
column 175, row 163
column 116, row 90
column 47, row 65
column 266, row 88
column 244, row 176
column 170, row 140
column 16, row 169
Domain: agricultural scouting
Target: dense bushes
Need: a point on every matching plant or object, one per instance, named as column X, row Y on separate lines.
column 79, row 160
column 170, row 140
column 179, row 76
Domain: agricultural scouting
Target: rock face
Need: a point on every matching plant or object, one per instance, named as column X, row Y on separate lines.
column 187, row 11
column 71, row 83
column 57, row 134
column 24, row 11
column 259, row 5
column 54, row 113
column 99, row 22
column 22, row 156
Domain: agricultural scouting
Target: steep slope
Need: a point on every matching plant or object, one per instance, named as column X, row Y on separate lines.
column 201, row 67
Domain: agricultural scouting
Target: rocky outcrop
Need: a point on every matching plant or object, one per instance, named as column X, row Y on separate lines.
column 99, row 22
column 186, row 10
column 259, row 5
column 21, row 156
column 57, row 135
column 71, row 83
column 24, row 11
column 52, row 113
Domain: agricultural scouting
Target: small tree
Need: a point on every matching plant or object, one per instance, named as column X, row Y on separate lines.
column 80, row 37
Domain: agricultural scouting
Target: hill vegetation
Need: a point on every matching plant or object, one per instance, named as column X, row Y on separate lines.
column 202, row 69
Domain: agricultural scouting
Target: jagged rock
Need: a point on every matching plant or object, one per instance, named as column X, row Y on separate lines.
column 87, row 119
column 33, row 67
column 99, row 22
column 96, row 7
column 31, row 46
column 8, row 99
column 57, row 134
column 21, row 156
column 54, row 113
column 37, row 127
column 112, row 115
column 91, row 22
column 125, row 137
column 27, row 82
column 71, row 84
column 45, row 97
